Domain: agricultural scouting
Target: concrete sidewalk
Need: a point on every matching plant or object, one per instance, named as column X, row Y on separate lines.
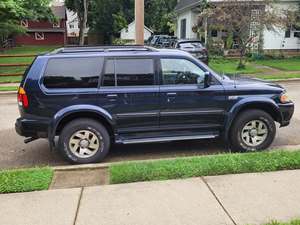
column 231, row 199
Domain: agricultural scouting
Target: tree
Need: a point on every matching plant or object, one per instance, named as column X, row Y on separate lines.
column 159, row 15
column 108, row 17
column 80, row 7
column 12, row 11
column 244, row 20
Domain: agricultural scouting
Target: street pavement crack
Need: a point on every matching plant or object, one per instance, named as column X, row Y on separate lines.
column 78, row 206
column 218, row 200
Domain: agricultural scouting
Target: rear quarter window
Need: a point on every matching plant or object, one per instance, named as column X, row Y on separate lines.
column 73, row 72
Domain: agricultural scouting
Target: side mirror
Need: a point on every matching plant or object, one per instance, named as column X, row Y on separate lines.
column 207, row 79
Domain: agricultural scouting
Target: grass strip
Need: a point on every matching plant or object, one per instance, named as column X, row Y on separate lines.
column 278, row 77
column 293, row 222
column 204, row 166
column 8, row 89
column 25, row 180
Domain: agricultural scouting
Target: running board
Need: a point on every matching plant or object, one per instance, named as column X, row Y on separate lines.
column 164, row 139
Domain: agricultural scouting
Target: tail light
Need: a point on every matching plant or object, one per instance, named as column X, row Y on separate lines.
column 22, row 98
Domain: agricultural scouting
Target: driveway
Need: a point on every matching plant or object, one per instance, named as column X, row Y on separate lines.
column 14, row 153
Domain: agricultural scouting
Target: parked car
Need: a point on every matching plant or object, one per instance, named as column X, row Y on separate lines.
column 195, row 47
column 93, row 97
column 162, row 41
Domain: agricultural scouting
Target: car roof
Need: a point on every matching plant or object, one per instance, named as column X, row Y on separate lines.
column 188, row 40
column 114, row 51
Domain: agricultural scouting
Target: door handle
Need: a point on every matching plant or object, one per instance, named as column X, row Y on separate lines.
column 111, row 95
column 171, row 94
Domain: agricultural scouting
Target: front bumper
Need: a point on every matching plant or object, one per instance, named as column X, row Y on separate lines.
column 32, row 128
column 287, row 112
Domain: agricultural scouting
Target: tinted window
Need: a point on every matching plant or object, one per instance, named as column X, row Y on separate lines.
column 73, row 73
column 109, row 74
column 134, row 72
column 181, row 71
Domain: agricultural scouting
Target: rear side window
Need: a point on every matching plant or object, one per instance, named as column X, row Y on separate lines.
column 73, row 73
column 129, row 72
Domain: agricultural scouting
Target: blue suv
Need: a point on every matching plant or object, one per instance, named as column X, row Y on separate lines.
column 93, row 97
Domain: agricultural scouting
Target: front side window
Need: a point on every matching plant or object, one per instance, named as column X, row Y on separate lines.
column 73, row 73
column 181, row 71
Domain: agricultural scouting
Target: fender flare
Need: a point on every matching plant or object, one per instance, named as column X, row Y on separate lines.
column 63, row 113
column 249, row 102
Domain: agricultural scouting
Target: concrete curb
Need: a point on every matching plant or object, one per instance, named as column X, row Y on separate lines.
column 8, row 93
column 108, row 165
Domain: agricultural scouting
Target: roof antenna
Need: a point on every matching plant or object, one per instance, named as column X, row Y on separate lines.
column 235, row 75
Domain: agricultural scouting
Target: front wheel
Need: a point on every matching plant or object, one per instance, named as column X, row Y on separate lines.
column 84, row 141
column 253, row 130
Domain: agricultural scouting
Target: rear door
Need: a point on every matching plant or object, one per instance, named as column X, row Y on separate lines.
column 185, row 103
column 130, row 93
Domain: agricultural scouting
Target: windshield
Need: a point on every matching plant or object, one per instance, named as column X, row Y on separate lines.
column 191, row 45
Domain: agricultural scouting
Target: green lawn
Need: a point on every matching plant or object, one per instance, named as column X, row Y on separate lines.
column 229, row 66
column 29, row 50
column 279, row 76
column 12, row 181
column 12, row 60
column 10, row 79
column 293, row 222
column 8, row 88
column 291, row 64
column 204, row 166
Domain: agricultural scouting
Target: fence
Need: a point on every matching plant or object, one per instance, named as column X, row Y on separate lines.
column 16, row 65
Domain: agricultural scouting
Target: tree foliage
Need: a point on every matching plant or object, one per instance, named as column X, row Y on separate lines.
column 109, row 17
column 12, row 11
column 244, row 20
column 81, row 8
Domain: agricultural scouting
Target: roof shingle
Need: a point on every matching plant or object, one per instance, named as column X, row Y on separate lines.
column 182, row 4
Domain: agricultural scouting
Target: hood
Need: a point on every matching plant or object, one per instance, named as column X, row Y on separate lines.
column 251, row 82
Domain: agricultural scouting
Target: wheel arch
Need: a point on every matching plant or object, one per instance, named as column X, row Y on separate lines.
column 68, row 114
column 266, row 106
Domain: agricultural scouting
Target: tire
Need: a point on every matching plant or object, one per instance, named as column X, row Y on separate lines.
column 245, row 138
column 84, row 141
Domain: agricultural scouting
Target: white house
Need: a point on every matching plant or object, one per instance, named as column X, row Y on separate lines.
column 187, row 12
column 128, row 33
column 71, row 23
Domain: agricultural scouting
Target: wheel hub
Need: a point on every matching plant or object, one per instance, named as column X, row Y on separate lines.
column 84, row 143
column 253, row 132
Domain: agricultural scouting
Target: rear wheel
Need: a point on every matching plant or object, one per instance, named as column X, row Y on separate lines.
column 253, row 130
column 84, row 141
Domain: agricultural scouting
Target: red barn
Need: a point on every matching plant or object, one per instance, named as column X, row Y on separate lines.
column 45, row 32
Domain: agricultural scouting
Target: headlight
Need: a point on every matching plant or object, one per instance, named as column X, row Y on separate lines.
column 284, row 98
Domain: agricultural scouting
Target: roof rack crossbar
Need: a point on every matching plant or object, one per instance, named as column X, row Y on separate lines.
column 116, row 48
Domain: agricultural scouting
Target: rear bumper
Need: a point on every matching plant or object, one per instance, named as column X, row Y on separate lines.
column 32, row 128
column 287, row 111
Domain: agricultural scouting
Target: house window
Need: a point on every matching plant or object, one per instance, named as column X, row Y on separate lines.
column 39, row 36
column 214, row 33
column 297, row 34
column 56, row 25
column 24, row 23
column 183, row 29
column 71, row 26
column 287, row 33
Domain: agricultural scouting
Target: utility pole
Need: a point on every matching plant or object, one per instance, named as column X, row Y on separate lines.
column 139, row 22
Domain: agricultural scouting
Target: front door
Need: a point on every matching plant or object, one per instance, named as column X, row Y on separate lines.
column 186, row 105
column 129, row 92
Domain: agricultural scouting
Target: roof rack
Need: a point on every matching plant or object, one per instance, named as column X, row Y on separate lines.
column 115, row 48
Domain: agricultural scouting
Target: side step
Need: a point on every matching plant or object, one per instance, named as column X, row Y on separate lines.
column 166, row 139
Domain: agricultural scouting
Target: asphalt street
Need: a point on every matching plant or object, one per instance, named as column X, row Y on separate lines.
column 15, row 154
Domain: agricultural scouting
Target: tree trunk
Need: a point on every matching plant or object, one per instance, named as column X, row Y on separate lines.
column 83, row 23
